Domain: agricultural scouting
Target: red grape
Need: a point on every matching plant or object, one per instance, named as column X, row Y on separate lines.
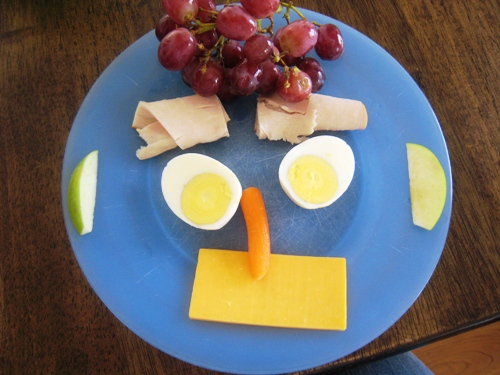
column 177, row 49
column 165, row 25
column 330, row 45
column 244, row 78
column 234, row 22
column 181, row 11
column 232, row 53
column 203, row 6
column 270, row 73
column 258, row 48
column 293, row 85
column 207, row 78
column 261, row 8
column 188, row 71
column 208, row 38
column 224, row 93
column 314, row 70
column 297, row 38
column 287, row 59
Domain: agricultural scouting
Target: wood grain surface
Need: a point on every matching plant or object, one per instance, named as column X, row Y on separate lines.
column 473, row 352
column 51, row 52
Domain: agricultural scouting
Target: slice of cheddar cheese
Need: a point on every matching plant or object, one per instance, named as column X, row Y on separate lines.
column 293, row 122
column 181, row 122
column 297, row 292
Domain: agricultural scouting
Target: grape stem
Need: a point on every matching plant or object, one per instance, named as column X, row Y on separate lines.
column 218, row 47
column 203, row 27
column 269, row 29
column 287, row 77
column 289, row 7
column 214, row 12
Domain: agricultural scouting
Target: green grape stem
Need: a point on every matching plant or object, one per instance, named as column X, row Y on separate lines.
column 218, row 48
column 214, row 12
column 269, row 30
column 287, row 77
column 203, row 27
column 289, row 7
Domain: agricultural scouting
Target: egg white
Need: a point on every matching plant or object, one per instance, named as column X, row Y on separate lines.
column 181, row 169
column 333, row 150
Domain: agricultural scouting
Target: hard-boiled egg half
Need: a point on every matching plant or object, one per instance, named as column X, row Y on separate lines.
column 200, row 190
column 316, row 172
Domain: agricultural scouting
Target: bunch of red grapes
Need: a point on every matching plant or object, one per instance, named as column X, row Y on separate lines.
column 229, row 53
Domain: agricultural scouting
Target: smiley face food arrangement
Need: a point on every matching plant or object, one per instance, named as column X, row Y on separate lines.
column 223, row 54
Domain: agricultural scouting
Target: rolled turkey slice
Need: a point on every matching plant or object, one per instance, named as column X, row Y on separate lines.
column 182, row 122
column 277, row 119
column 338, row 113
column 157, row 138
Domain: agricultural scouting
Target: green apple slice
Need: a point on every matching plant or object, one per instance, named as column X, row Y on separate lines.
column 427, row 185
column 82, row 193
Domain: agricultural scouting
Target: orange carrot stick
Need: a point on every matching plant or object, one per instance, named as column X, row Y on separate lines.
column 259, row 242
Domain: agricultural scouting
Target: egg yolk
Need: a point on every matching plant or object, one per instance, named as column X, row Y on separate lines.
column 205, row 198
column 313, row 179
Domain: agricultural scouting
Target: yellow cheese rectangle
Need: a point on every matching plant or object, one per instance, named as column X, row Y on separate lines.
column 297, row 292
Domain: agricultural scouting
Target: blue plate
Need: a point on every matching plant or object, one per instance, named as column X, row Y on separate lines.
column 140, row 259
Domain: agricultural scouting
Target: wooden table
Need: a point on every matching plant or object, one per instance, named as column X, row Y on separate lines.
column 51, row 52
